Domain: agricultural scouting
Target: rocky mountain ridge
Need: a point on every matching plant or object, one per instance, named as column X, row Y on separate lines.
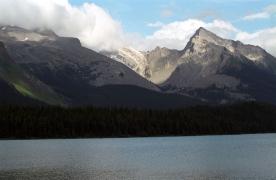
column 212, row 65
column 40, row 65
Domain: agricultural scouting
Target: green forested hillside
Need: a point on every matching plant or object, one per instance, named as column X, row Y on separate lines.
column 56, row 122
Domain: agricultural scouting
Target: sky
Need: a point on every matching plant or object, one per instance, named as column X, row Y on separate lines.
column 145, row 24
column 136, row 15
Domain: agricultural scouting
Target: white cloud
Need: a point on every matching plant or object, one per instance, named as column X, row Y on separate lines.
column 176, row 35
column 265, row 38
column 266, row 13
column 155, row 24
column 261, row 15
column 90, row 23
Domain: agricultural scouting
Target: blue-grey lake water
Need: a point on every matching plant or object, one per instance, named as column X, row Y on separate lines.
column 165, row 158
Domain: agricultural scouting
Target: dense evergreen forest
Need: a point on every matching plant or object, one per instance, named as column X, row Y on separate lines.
column 17, row 122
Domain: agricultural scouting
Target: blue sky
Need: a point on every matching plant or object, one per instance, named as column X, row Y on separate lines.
column 134, row 15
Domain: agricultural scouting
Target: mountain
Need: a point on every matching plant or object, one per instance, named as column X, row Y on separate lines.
column 38, row 66
column 219, row 70
column 209, row 68
column 38, row 52
column 76, row 75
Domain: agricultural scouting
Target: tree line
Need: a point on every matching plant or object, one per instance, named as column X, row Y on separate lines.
column 19, row 122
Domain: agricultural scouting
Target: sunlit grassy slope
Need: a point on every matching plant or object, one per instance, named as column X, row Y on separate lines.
column 24, row 83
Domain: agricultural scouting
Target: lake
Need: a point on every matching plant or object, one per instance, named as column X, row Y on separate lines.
column 168, row 158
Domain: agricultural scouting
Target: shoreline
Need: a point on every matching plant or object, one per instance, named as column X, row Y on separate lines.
column 136, row 137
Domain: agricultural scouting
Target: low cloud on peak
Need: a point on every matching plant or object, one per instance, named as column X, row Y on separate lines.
column 90, row 23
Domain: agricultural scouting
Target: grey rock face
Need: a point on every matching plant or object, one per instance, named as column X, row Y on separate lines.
column 210, row 63
column 162, row 62
column 156, row 65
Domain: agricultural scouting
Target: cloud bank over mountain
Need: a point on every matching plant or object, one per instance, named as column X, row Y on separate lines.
column 98, row 30
column 90, row 23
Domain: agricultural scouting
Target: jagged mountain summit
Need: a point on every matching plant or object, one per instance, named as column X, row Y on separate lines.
column 259, row 56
